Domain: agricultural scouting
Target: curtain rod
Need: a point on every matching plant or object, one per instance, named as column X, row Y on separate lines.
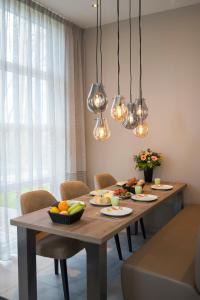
column 43, row 9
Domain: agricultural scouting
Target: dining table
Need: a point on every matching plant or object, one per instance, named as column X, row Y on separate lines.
column 94, row 229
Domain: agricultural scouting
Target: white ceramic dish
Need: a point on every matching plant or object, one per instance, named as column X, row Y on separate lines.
column 164, row 187
column 144, row 197
column 116, row 211
column 93, row 202
column 99, row 192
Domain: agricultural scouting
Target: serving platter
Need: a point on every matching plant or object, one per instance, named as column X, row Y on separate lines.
column 93, row 202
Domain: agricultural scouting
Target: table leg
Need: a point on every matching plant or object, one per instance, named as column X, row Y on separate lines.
column 96, row 271
column 26, row 264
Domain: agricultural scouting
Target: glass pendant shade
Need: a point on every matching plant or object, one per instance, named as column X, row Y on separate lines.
column 141, row 109
column 97, row 99
column 141, row 130
column 101, row 131
column 119, row 109
column 130, row 121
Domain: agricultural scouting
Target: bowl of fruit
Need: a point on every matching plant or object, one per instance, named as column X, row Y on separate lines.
column 66, row 212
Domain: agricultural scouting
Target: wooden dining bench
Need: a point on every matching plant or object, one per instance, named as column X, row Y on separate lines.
column 167, row 267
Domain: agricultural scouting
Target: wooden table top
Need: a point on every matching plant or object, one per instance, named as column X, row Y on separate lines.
column 94, row 227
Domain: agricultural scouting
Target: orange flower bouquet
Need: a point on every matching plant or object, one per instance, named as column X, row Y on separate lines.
column 146, row 161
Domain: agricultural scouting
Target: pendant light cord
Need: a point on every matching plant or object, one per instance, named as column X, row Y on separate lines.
column 140, row 40
column 97, row 42
column 101, row 40
column 118, row 37
column 130, row 10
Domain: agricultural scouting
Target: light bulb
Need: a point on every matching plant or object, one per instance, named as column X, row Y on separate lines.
column 119, row 109
column 141, row 130
column 130, row 122
column 97, row 99
column 141, row 109
column 101, row 130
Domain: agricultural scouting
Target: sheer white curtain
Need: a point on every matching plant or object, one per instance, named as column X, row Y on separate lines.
column 39, row 85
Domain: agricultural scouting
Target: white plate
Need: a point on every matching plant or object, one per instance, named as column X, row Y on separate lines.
column 162, row 187
column 121, row 183
column 99, row 192
column 93, row 202
column 116, row 211
column 71, row 202
column 144, row 197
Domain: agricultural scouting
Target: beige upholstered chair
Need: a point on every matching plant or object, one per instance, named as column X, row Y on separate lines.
column 73, row 189
column 49, row 245
column 103, row 180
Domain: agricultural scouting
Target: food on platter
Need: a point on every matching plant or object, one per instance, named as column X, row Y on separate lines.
column 122, row 193
column 102, row 200
column 132, row 181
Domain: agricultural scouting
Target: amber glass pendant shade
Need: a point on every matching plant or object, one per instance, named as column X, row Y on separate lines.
column 141, row 130
column 119, row 109
column 101, row 130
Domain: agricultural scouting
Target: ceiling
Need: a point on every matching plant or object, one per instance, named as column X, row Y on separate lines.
column 83, row 14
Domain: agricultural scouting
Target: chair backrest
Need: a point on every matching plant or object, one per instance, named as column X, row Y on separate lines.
column 73, row 189
column 197, row 264
column 103, row 180
column 35, row 200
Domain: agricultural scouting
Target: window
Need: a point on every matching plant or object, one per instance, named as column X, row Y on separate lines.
column 32, row 106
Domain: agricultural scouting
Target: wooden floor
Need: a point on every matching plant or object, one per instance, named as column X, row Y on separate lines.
column 50, row 285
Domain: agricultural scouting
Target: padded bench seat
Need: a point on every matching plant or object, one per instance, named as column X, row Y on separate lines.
column 167, row 267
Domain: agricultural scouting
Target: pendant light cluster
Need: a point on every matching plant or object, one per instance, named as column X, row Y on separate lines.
column 133, row 115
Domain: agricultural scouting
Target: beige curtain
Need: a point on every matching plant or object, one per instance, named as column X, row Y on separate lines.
column 75, row 123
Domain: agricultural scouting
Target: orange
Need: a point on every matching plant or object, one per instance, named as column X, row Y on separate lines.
column 54, row 210
column 63, row 205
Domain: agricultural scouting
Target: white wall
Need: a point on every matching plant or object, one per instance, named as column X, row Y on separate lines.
column 171, row 85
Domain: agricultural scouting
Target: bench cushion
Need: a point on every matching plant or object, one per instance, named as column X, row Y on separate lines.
column 166, row 263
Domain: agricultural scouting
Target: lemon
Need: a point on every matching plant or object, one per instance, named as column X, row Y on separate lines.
column 54, row 210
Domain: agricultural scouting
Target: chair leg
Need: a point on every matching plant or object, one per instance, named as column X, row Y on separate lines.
column 63, row 267
column 128, row 231
column 117, row 242
column 136, row 228
column 143, row 228
column 56, row 266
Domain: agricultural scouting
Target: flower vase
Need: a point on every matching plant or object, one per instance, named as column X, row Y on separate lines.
column 148, row 175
